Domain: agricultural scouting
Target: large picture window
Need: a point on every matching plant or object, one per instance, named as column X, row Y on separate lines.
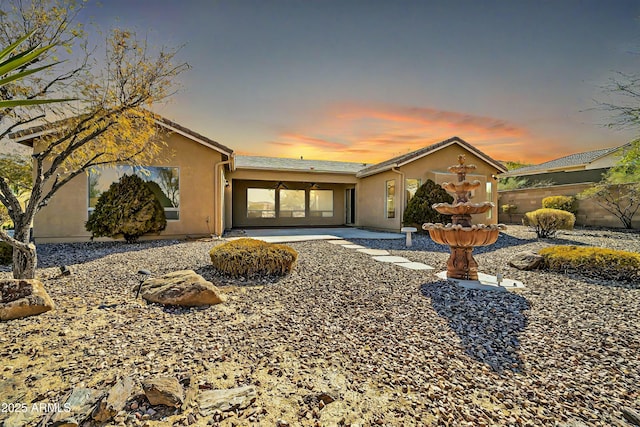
column 391, row 198
column 292, row 204
column 261, row 203
column 164, row 182
column 411, row 187
column 321, row 203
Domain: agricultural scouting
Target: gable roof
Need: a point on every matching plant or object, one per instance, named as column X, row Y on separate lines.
column 562, row 163
column 417, row 154
column 26, row 136
column 296, row 165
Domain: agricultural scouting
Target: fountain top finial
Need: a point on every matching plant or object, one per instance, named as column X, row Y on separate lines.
column 461, row 168
column 461, row 159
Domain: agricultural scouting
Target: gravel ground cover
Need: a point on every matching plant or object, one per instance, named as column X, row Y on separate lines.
column 390, row 346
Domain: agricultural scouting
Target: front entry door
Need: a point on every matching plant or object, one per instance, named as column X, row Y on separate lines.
column 350, row 206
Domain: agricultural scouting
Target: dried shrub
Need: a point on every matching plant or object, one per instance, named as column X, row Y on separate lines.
column 546, row 222
column 509, row 209
column 129, row 209
column 563, row 203
column 607, row 264
column 6, row 253
column 250, row 257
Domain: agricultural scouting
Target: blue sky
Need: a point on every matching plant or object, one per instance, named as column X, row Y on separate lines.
column 365, row 80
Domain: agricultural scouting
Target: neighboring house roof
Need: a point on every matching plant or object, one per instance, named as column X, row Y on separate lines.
column 415, row 155
column 297, row 165
column 27, row 136
column 572, row 161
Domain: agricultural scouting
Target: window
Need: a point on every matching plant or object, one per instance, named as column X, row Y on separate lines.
column 321, row 203
column 391, row 198
column 292, row 204
column 261, row 203
column 164, row 182
column 489, row 189
column 411, row 186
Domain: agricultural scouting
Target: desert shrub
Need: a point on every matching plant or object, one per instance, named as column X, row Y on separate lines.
column 128, row 209
column 250, row 257
column 607, row 264
column 509, row 209
column 6, row 253
column 546, row 222
column 564, row 203
column 419, row 210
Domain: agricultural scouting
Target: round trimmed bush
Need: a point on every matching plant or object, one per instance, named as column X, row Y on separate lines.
column 251, row 257
column 564, row 203
column 607, row 264
column 546, row 222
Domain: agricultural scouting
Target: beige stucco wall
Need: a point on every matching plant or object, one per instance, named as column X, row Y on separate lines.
column 530, row 199
column 64, row 218
column 372, row 189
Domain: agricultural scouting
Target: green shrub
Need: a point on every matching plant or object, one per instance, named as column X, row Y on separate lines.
column 546, row 222
column 6, row 253
column 419, row 210
column 509, row 209
column 607, row 264
column 250, row 257
column 564, row 203
column 129, row 209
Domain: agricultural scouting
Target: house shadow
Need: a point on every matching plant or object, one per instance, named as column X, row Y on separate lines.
column 488, row 323
column 57, row 254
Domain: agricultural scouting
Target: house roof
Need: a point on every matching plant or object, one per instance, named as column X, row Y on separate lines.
column 26, row 136
column 297, row 165
column 417, row 154
column 566, row 162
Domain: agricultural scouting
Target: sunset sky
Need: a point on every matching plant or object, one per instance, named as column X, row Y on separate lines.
column 366, row 80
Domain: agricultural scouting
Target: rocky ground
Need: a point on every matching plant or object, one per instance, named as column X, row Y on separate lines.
column 343, row 340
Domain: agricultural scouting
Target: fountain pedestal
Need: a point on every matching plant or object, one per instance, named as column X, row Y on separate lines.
column 461, row 235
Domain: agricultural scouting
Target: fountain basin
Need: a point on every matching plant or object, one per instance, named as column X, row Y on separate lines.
column 458, row 187
column 462, row 208
column 458, row 236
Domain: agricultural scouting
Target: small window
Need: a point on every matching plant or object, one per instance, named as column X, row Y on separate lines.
column 391, row 198
column 261, row 203
column 292, row 204
column 411, row 186
column 321, row 203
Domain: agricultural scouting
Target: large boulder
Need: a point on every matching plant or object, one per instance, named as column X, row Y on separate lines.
column 185, row 288
column 526, row 260
column 23, row 297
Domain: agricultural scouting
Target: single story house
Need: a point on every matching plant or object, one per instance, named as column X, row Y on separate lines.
column 205, row 188
column 565, row 176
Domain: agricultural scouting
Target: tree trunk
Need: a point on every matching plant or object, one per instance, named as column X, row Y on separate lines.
column 25, row 260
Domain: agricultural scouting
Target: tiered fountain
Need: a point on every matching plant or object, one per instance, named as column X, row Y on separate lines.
column 461, row 235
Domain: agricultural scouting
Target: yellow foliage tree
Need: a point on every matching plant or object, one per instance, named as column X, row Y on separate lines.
column 110, row 123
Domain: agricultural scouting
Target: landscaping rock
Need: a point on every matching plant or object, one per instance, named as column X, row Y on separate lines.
column 164, row 391
column 80, row 404
column 630, row 415
column 226, row 400
column 23, row 297
column 526, row 261
column 114, row 401
column 184, row 288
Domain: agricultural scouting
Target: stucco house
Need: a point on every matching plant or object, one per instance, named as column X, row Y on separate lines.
column 205, row 188
column 564, row 176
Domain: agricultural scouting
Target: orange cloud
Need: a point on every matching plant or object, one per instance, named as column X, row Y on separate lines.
column 371, row 134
